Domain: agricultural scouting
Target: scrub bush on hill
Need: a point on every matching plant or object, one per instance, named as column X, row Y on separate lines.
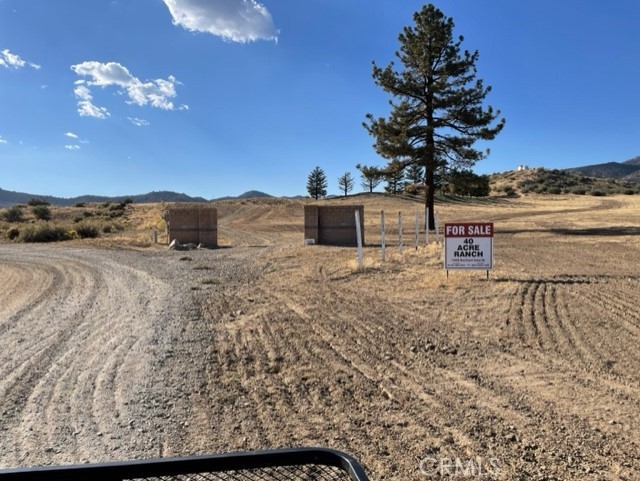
column 87, row 231
column 44, row 232
column 42, row 212
column 13, row 214
column 13, row 233
column 34, row 202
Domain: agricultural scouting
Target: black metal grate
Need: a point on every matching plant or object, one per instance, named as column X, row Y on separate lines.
column 313, row 472
column 304, row 464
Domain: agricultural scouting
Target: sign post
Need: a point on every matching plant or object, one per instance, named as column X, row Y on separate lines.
column 468, row 245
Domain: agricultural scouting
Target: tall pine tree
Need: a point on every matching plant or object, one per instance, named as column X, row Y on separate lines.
column 437, row 114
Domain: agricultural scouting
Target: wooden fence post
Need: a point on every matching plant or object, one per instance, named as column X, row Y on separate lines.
column 383, row 234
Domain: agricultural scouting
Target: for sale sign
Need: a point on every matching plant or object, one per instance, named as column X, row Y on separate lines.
column 468, row 245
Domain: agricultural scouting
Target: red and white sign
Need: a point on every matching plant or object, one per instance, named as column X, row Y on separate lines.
column 468, row 245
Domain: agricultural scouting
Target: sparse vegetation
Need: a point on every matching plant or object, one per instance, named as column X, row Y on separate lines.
column 554, row 181
column 91, row 222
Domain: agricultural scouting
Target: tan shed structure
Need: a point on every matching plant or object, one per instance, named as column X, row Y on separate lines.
column 333, row 224
column 194, row 224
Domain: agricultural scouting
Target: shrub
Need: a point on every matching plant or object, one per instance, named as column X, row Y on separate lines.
column 628, row 192
column 44, row 233
column 78, row 218
column 598, row 193
column 87, row 231
column 87, row 213
column 107, row 228
column 13, row 214
column 13, row 233
column 33, row 202
column 128, row 200
column 41, row 212
column 554, row 190
column 579, row 191
column 79, row 204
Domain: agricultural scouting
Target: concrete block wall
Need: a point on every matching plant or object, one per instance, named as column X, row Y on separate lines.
column 194, row 224
column 333, row 225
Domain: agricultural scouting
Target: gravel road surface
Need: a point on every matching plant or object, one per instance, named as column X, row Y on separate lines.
column 93, row 365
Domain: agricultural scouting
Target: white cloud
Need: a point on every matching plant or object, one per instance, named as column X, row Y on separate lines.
column 2, row 140
column 87, row 109
column 139, row 122
column 236, row 20
column 72, row 147
column 85, row 106
column 12, row 60
column 71, row 135
column 157, row 93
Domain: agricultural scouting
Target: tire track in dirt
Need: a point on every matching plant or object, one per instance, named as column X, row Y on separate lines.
column 416, row 390
column 491, row 393
column 311, row 379
column 63, row 395
column 626, row 312
column 541, row 311
column 304, row 379
column 617, row 338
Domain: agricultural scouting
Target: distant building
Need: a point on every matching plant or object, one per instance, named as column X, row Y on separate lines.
column 522, row 167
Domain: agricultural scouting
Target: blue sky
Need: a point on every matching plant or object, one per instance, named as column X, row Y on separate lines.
column 216, row 97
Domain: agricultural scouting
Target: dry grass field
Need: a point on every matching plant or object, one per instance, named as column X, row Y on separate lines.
column 529, row 374
column 534, row 369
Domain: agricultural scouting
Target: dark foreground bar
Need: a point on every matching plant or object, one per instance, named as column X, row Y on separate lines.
column 316, row 464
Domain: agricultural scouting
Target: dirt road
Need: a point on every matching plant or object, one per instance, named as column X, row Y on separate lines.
column 90, row 367
column 532, row 374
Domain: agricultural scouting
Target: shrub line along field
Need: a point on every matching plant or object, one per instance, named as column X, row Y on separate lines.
column 111, row 354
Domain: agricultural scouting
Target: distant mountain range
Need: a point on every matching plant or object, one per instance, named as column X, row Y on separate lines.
column 9, row 198
column 628, row 171
column 247, row 195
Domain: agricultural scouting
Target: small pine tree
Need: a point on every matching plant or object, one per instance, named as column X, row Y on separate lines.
column 370, row 177
column 345, row 182
column 317, row 183
column 415, row 174
column 394, row 177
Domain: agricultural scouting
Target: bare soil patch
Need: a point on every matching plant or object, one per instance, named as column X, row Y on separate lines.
column 268, row 343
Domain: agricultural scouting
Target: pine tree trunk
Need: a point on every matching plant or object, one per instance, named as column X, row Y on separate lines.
column 429, row 198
